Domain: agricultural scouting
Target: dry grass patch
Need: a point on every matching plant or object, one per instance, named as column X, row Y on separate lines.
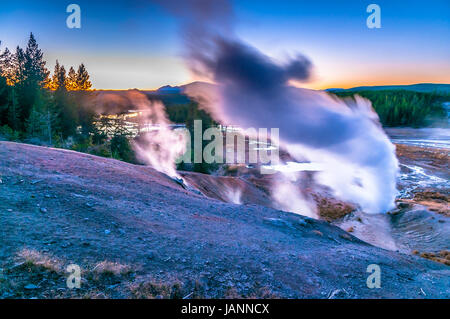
column 157, row 290
column 35, row 274
column 256, row 293
column 167, row 289
column 108, row 268
column 435, row 201
column 442, row 257
column 332, row 209
column 34, row 258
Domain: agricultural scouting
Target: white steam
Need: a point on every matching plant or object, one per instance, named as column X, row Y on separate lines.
column 233, row 195
column 252, row 91
column 287, row 195
column 344, row 138
column 156, row 144
column 159, row 145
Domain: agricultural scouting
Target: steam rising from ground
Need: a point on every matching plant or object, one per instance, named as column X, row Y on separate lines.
column 160, row 147
column 157, row 144
column 253, row 91
column 287, row 194
column 233, row 195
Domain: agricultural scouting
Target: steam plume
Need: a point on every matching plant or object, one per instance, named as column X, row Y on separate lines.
column 287, row 195
column 254, row 91
column 158, row 145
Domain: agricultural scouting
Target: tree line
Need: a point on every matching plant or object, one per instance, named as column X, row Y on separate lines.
column 37, row 106
column 404, row 108
column 43, row 108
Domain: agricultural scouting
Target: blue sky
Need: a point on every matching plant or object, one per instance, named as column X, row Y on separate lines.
column 127, row 46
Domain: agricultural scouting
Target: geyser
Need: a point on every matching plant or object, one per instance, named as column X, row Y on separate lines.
column 344, row 136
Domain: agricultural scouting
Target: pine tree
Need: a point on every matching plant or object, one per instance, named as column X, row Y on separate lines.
column 9, row 108
column 35, row 124
column 7, row 66
column 53, row 85
column 4, row 100
column 31, row 76
column 35, row 69
column 4, row 90
column 19, row 66
column 60, row 79
column 64, row 103
column 71, row 84
column 42, row 119
column 83, row 83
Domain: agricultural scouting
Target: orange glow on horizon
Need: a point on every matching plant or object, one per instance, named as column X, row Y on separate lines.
column 346, row 82
column 349, row 85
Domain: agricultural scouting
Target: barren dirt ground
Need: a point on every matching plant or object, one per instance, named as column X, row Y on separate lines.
column 137, row 234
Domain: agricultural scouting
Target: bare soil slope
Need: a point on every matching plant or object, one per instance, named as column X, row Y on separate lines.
column 136, row 233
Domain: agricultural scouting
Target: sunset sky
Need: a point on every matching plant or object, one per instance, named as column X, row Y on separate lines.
column 136, row 44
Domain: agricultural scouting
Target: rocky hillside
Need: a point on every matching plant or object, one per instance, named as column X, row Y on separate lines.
column 137, row 234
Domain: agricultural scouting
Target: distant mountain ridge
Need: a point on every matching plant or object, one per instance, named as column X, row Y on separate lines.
column 168, row 89
column 420, row 87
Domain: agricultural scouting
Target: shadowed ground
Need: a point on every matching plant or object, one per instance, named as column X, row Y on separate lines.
column 136, row 233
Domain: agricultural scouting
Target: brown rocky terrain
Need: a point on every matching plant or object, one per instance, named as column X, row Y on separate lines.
column 251, row 187
column 433, row 159
column 435, row 200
